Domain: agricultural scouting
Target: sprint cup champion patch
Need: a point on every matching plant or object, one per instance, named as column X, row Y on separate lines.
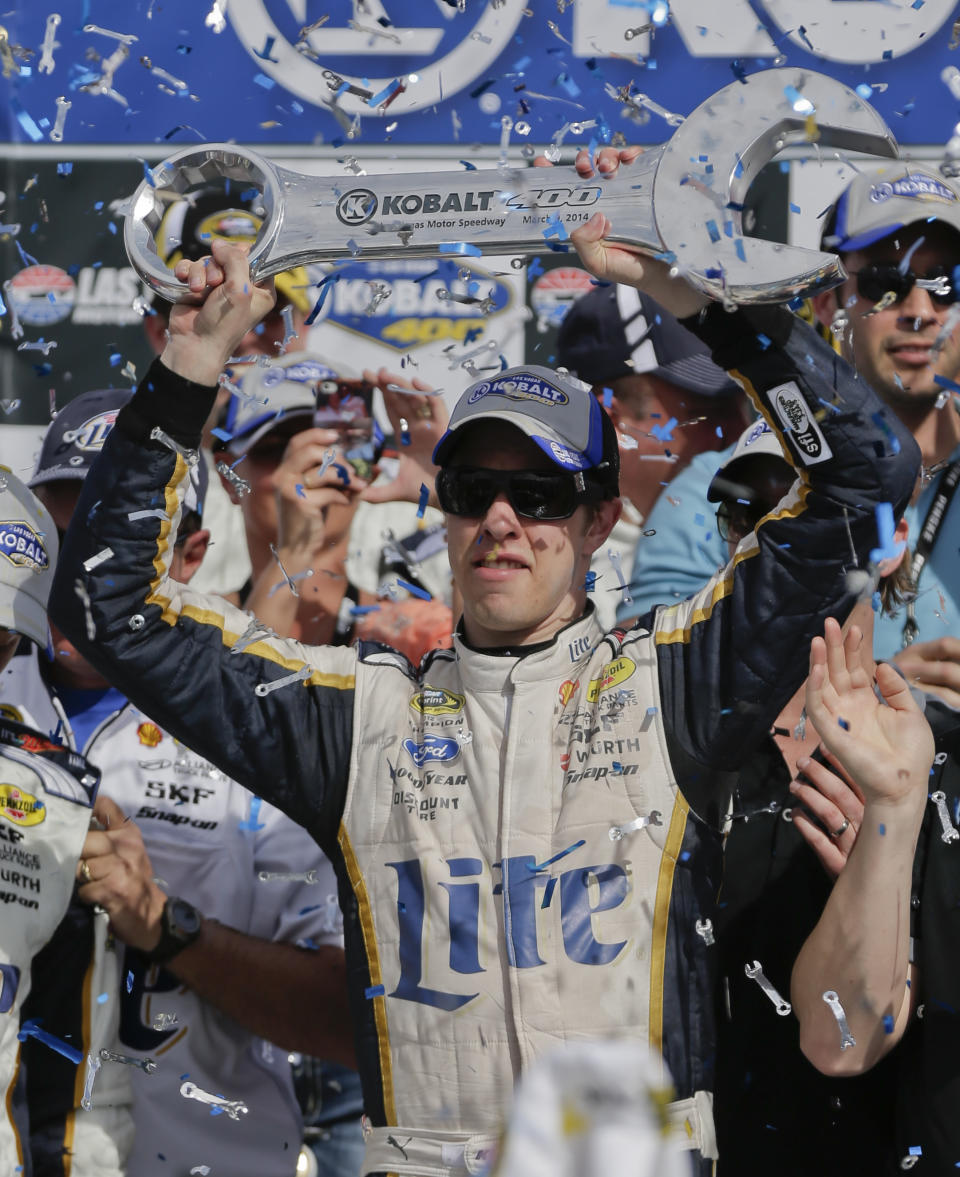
column 23, row 546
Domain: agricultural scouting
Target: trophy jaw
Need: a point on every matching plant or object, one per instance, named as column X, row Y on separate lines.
column 173, row 180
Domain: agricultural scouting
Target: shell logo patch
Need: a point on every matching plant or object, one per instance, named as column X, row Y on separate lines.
column 20, row 807
column 149, row 734
column 567, row 691
column 437, row 701
column 613, row 674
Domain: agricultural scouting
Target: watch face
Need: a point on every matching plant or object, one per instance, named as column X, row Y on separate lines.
column 184, row 918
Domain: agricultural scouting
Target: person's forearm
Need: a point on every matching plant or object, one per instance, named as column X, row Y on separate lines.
column 294, row 997
column 860, row 947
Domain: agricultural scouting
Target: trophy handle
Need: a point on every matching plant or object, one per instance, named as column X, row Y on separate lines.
column 681, row 202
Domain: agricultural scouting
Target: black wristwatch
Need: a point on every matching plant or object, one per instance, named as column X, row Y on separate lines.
column 179, row 926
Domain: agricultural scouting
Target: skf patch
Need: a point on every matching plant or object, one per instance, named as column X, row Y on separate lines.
column 612, row 675
column 149, row 734
column 437, row 701
column 21, row 807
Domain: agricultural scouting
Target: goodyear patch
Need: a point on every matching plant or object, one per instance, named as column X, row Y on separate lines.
column 23, row 546
column 20, row 807
column 613, row 674
column 8, row 711
column 437, row 701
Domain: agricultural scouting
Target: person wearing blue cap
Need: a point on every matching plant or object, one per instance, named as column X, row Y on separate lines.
column 526, row 828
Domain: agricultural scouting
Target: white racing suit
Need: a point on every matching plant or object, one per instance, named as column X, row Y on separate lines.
column 524, row 844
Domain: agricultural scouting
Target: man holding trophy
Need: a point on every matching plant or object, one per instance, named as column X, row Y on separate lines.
column 526, row 829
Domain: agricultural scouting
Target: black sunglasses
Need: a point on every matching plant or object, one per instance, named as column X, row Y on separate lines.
column 735, row 519
column 874, row 281
column 534, row 494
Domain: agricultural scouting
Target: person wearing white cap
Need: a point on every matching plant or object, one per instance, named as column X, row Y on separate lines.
column 52, row 968
column 210, row 893
column 525, row 828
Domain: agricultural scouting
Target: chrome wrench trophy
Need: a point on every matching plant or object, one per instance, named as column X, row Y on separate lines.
column 682, row 201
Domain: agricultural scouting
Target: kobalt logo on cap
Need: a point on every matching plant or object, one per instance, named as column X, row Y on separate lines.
column 916, row 186
column 304, row 372
column 22, row 546
column 520, row 388
column 799, row 425
column 357, row 206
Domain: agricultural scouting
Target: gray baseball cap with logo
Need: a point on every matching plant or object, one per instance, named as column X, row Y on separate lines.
column 556, row 411
column 28, row 556
column 876, row 204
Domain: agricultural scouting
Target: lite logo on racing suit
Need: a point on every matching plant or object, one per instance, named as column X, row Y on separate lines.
column 583, row 893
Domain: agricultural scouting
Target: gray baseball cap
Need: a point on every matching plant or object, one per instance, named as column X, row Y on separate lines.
column 556, row 411
column 876, row 204
column 28, row 555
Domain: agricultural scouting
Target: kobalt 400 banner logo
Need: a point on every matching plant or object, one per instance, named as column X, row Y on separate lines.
column 359, row 205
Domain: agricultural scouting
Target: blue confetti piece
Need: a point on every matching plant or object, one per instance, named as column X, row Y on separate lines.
column 363, row 610
column 424, row 498
column 221, row 434
column 64, row 169
column 461, row 247
column 129, row 982
column 865, row 91
column 843, row 723
column 548, row 891
column 883, row 829
column 325, row 286
column 664, row 432
column 374, row 991
column 414, row 590
column 888, row 548
column 25, row 119
column 556, row 858
column 535, row 269
column 264, row 81
column 300, row 491
column 713, row 230
column 103, row 998
column 251, row 822
column 607, row 398
column 888, row 1023
column 590, row 582
column 31, row 1029
column 915, row 1150
column 387, row 92
column 741, row 250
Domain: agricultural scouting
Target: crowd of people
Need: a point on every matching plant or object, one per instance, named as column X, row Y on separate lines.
column 362, row 815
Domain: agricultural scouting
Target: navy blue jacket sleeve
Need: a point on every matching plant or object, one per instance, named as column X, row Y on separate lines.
column 193, row 662
column 731, row 656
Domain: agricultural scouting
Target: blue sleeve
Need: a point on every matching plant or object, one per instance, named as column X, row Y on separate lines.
column 685, row 549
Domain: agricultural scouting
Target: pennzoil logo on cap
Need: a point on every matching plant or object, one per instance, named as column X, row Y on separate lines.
column 520, row 388
column 94, row 431
column 23, row 545
column 21, row 807
column 916, row 186
column 437, row 701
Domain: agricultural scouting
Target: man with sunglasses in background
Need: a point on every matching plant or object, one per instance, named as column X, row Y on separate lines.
column 539, row 806
column 898, row 232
